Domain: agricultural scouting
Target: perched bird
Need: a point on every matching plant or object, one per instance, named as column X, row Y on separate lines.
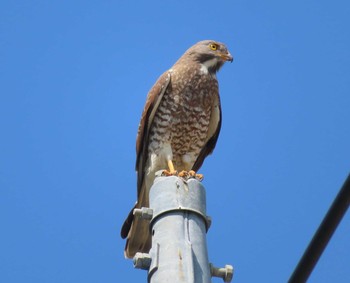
column 179, row 127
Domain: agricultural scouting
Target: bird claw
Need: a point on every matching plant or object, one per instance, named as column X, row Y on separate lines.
column 167, row 173
column 183, row 174
column 190, row 174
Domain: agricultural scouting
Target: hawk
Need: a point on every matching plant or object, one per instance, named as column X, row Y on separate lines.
column 179, row 127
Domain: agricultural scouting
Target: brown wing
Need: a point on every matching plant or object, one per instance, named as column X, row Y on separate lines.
column 213, row 134
column 154, row 97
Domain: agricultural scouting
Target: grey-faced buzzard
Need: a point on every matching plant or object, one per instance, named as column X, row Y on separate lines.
column 179, row 127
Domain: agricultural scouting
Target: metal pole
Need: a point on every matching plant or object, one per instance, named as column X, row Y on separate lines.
column 322, row 235
column 178, row 225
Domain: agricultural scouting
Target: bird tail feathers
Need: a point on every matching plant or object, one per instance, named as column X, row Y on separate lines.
column 136, row 230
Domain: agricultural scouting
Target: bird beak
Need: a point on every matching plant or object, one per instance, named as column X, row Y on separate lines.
column 227, row 57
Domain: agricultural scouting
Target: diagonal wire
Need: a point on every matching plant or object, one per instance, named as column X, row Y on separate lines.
column 322, row 235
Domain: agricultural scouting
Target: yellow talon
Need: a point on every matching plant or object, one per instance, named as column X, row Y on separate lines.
column 190, row 174
column 199, row 177
column 183, row 174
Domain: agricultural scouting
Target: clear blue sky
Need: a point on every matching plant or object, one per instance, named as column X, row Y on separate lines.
column 74, row 77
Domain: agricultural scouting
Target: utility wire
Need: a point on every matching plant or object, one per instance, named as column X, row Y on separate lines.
column 322, row 235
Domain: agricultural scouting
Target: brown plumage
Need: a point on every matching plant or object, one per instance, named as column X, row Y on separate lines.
column 180, row 123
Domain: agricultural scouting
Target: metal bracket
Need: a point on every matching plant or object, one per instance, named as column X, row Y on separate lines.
column 142, row 261
column 144, row 213
column 208, row 222
column 226, row 273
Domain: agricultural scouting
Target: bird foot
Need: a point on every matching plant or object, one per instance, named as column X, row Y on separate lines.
column 183, row 174
column 168, row 173
column 190, row 174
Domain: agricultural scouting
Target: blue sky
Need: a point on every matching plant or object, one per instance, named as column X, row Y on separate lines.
column 74, row 77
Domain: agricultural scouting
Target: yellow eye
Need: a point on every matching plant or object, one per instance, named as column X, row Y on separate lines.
column 213, row 46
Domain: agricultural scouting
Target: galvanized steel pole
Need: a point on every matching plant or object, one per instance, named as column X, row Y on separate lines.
column 178, row 225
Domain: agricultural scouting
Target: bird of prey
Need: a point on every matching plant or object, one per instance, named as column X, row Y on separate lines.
column 179, row 127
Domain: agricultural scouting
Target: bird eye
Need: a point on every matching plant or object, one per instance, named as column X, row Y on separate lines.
column 213, row 46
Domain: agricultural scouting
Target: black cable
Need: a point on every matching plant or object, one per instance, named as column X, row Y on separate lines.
column 322, row 235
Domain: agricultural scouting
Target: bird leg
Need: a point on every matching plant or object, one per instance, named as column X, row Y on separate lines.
column 171, row 166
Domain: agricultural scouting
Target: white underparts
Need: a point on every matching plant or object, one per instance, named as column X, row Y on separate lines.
column 208, row 65
column 160, row 159
column 188, row 159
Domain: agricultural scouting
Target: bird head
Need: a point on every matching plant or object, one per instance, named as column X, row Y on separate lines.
column 210, row 53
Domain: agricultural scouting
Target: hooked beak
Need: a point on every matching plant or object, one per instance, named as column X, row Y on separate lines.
column 227, row 57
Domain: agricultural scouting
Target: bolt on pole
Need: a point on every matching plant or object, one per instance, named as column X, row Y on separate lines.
column 178, row 224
